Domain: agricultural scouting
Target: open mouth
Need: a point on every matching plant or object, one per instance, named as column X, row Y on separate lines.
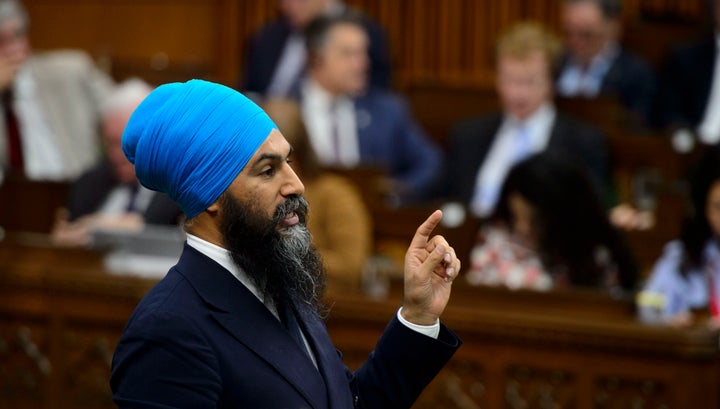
column 291, row 219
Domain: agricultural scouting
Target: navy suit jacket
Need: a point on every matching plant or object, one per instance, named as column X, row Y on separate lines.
column 470, row 141
column 265, row 49
column 200, row 339
column 631, row 80
column 92, row 188
column 390, row 138
column 687, row 80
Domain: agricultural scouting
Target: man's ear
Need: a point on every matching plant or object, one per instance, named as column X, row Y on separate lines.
column 215, row 208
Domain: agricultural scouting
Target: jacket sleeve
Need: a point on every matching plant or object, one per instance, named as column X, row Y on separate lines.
column 402, row 364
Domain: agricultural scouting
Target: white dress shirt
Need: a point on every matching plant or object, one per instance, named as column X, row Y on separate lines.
column 41, row 153
column 118, row 201
column 293, row 59
column 576, row 80
column 324, row 115
column 503, row 154
column 223, row 257
column 289, row 67
column 709, row 129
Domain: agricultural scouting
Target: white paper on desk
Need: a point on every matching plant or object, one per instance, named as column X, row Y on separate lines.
column 140, row 265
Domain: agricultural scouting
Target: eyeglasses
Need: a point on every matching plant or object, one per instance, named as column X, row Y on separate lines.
column 12, row 36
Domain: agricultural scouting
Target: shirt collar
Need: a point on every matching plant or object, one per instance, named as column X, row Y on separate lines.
column 222, row 256
column 544, row 114
column 603, row 59
column 319, row 98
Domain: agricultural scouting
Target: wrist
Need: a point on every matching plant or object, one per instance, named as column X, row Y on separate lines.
column 418, row 317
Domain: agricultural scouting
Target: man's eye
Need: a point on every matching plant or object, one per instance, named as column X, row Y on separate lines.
column 268, row 172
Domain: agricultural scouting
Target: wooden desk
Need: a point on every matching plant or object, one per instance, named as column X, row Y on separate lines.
column 564, row 350
column 61, row 315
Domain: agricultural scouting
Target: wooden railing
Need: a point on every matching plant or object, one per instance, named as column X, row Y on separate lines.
column 61, row 315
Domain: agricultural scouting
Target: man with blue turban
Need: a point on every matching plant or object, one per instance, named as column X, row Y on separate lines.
column 237, row 322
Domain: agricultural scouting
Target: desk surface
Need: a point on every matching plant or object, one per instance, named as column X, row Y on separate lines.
column 60, row 310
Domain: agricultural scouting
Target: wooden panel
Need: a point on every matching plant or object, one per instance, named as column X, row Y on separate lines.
column 180, row 38
column 30, row 206
column 59, row 322
column 441, row 42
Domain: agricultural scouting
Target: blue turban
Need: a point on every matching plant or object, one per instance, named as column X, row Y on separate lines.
column 190, row 140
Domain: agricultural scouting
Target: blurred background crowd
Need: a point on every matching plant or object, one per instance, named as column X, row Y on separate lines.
column 571, row 143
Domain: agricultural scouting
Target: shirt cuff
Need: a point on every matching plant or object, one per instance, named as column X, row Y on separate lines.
column 432, row 331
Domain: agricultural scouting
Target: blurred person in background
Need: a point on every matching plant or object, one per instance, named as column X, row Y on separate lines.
column 51, row 104
column 351, row 124
column 276, row 57
column 550, row 230
column 340, row 224
column 596, row 65
column 685, row 282
column 109, row 196
column 690, row 93
column 482, row 150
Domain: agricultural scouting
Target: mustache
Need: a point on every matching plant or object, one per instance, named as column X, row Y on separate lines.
column 296, row 204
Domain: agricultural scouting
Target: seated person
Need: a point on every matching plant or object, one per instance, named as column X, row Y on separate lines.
column 276, row 55
column 109, row 196
column 550, row 230
column 686, row 278
column 482, row 150
column 351, row 125
column 51, row 105
column 339, row 223
column 596, row 65
column 690, row 94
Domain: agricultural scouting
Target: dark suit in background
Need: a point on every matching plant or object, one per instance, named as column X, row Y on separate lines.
column 470, row 142
column 389, row 137
column 686, row 82
column 91, row 190
column 204, row 338
column 266, row 46
column 631, row 80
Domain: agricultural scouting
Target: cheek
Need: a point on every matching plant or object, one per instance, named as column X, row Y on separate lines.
column 713, row 216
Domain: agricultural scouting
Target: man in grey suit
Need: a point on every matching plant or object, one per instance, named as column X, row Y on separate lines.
column 51, row 101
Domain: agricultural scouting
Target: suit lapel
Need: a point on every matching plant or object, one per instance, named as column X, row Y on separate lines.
column 249, row 321
column 329, row 362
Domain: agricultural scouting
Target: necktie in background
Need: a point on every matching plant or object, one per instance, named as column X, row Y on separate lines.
column 487, row 194
column 713, row 295
column 132, row 198
column 523, row 147
column 12, row 129
column 335, row 133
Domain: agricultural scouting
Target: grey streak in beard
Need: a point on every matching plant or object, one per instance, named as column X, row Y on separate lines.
column 282, row 262
column 294, row 248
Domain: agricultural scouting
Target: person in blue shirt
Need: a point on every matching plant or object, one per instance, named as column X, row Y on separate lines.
column 686, row 278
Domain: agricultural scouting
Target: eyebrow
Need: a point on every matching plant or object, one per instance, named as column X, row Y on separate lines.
column 273, row 157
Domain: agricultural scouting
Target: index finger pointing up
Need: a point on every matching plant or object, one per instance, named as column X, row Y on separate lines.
column 422, row 235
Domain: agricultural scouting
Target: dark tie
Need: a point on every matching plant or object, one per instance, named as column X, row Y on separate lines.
column 133, row 197
column 335, row 133
column 290, row 322
column 13, row 134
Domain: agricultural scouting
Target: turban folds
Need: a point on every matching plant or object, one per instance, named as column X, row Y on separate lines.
column 190, row 140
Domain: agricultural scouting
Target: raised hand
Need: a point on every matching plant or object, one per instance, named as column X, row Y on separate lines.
column 430, row 267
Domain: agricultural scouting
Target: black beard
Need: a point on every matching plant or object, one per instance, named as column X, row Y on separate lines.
column 282, row 263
